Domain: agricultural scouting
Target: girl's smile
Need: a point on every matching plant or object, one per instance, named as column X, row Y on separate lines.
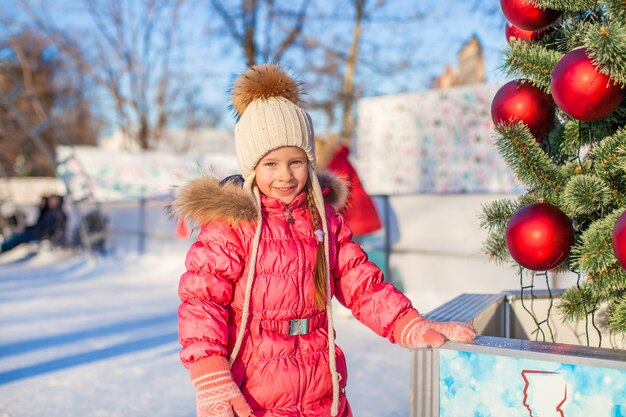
column 283, row 173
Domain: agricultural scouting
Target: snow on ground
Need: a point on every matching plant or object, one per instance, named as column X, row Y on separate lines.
column 95, row 337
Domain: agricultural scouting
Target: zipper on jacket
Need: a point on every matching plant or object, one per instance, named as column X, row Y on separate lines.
column 290, row 219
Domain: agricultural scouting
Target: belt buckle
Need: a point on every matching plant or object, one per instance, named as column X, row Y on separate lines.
column 298, row 327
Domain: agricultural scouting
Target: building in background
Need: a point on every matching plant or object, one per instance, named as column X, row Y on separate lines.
column 471, row 67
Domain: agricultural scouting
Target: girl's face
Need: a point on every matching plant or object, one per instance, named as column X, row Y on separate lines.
column 283, row 173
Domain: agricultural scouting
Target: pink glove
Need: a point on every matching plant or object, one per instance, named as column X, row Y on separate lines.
column 414, row 331
column 218, row 395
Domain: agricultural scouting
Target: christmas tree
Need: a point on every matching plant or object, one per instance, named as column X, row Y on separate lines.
column 561, row 128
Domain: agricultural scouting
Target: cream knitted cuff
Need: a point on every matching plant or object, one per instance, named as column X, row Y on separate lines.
column 208, row 365
column 402, row 324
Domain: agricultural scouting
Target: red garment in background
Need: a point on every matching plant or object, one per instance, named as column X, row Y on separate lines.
column 182, row 231
column 360, row 212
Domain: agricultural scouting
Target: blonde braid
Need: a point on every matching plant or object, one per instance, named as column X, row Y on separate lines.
column 319, row 203
column 320, row 262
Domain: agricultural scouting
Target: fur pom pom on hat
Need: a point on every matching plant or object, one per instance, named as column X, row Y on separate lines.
column 262, row 82
column 266, row 101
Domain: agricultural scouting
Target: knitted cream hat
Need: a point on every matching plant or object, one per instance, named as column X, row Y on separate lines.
column 266, row 101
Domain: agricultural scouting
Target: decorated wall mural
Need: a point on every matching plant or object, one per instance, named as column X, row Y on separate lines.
column 439, row 141
column 120, row 175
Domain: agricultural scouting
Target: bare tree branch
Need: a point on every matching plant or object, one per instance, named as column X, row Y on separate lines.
column 43, row 104
column 231, row 24
column 131, row 48
column 259, row 20
column 347, row 117
column 293, row 34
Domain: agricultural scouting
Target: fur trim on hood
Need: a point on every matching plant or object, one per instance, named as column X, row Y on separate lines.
column 205, row 199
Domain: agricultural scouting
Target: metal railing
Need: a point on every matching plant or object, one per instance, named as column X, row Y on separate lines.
column 452, row 377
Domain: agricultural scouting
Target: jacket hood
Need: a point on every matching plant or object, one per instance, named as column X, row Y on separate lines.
column 205, row 199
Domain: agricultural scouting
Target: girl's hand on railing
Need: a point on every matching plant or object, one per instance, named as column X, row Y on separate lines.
column 414, row 331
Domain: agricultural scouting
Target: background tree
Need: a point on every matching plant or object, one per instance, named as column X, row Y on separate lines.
column 41, row 84
column 263, row 29
column 136, row 53
column 571, row 156
column 335, row 61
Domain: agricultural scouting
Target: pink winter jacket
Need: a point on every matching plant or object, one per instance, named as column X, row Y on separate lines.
column 279, row 375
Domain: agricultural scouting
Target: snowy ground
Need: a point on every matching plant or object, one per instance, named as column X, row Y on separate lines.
column 97, row 337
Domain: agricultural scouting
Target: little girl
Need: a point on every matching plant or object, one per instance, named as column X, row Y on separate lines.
column 255, row 320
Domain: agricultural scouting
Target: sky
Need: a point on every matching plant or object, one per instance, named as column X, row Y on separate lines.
column 436, row 38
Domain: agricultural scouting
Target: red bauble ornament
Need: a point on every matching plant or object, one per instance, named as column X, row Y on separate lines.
column 580, row 90
column 515, row 32
column 522, row 101
column 619, row 240
column 524, row 14
column 539, row 236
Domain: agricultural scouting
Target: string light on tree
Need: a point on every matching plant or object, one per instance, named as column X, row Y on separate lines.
column 524, row 14
column 539, row 236
column 619, row 240
column 580, row 90
column 522, row 101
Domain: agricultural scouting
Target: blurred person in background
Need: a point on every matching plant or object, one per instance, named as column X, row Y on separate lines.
column 360, row 212
column 50, row 225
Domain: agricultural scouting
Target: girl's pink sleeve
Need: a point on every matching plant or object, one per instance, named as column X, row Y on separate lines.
column 359, row 285
column 212, row 265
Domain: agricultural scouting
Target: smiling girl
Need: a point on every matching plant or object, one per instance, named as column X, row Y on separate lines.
column 255, row 319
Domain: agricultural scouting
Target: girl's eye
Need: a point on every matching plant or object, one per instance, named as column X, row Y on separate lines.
column 269, row 164
column 297, row 163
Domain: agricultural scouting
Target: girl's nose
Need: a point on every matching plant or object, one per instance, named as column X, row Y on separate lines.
column 284, row 173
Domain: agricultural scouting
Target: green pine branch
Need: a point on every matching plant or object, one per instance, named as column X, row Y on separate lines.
column 609, row 284
column 580, row 301
column 575, row 167
column 571, row 139
column 553, row 143
column 606, row 46
column 566, row 5
column 586, row 194
column 608, row 158
column 577, row 134
column 530, row 61
column 495, row 214
column 495, row 247
column 616, row 9
column 577, row 302
column 622, row 165
column 617, row 315
column 593, row 254
column 530, row 164
column 608, row 152
column 494, row 217
column 570, row 35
